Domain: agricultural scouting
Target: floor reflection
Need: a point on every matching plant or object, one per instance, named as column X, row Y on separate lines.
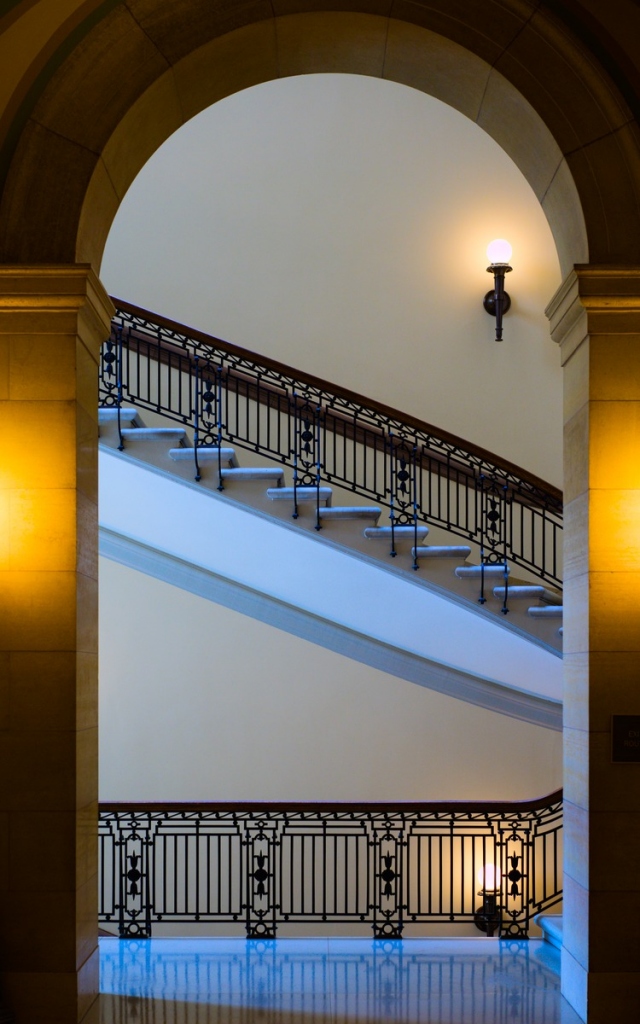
column 330, row 981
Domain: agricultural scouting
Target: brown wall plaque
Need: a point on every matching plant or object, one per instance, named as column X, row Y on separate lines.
column 625, row 739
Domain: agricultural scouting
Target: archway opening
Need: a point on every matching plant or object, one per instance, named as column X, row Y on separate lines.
column 338, row 224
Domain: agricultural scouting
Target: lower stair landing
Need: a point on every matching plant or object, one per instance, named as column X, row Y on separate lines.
column 329, row 980
column 551, row 925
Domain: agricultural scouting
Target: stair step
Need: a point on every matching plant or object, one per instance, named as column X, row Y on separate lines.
column 351, row 512
column 154, row 434
column 550, row 611
column 442, row 551
column 551, row 925
column 521, row 591
column 253, row 473
column 110, row 415
column 400, row 532
column 475, row 571
column 550, row 597
column 304, row 494
column 227, row 455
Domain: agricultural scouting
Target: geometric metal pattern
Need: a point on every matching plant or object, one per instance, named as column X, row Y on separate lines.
column 265, row 865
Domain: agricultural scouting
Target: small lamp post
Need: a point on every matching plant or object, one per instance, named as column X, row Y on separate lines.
column 487, row 917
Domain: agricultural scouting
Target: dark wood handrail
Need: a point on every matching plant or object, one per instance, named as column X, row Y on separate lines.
column 340, row 392
column 429, row 807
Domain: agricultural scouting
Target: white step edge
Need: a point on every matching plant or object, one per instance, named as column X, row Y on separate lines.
column 519, row 590
column 550, row 611
column 110, row 415
column 304, row 494
column 551, row 925
column 155, row 434
column 375, row 532
column 442, row 551
column 475, row 571
column 227, row 455
column 253, row 473
column 530, row 590
column 351, row 512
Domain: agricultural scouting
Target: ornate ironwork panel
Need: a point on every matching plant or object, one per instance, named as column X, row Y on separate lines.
column 262, row 842
column 126, row 870
column 388, row 844
column 383, row 866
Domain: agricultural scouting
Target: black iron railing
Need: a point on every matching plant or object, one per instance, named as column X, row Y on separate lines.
column 328, row 435
column 387, row 866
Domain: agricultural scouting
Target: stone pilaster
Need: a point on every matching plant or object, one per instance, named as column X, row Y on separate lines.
column 595, row 317
column 52, row 321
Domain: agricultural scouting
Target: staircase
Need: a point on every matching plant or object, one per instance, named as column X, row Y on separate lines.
column 533, row 610
column 551, row 927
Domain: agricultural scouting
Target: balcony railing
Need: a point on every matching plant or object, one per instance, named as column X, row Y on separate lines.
column 328, row 435
column 262, row 866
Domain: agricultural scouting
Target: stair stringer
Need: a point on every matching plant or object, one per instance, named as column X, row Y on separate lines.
column 267, row 568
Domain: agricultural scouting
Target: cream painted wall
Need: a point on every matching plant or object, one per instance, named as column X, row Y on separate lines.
column 339, row 223
column 198, row 702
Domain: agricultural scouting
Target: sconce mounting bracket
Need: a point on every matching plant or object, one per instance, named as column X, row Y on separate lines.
column 490, row 300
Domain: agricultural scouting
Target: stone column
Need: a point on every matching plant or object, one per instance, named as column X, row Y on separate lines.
column 52, row 321
column 595, row 317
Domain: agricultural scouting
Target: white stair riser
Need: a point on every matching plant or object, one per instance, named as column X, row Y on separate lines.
column 252, row 473
column 227, row 455
column 347, row 512
column 110, row 415
column 154, row 434
column 399, row 532
column 441, row 551
column 519, row 592
column 302, row 494
column 475, row 571
column 528, row 592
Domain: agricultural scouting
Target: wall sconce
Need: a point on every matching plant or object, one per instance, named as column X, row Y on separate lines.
column 497, row 301
column 487, row 917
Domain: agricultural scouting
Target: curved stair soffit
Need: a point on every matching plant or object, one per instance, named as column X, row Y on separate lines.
column 125, row 542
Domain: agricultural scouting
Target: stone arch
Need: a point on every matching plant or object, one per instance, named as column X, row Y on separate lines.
column 147, row 66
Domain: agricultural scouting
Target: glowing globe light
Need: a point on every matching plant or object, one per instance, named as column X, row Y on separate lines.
column 489, row 878
column 499, row 251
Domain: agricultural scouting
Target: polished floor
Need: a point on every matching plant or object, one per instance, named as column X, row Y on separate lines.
column 331, row 981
